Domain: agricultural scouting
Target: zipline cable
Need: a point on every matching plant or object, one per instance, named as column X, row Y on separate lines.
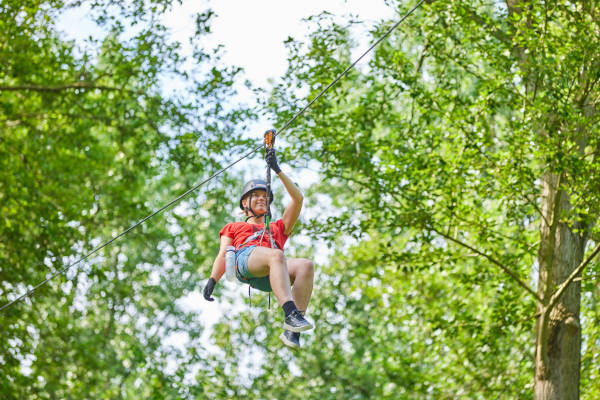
column 29, row 292
column 63, row 270
column 350, row 67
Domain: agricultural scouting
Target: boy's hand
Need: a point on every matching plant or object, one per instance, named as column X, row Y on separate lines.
column 271, row 159
column 208, row 289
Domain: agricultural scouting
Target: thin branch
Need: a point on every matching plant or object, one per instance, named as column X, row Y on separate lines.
column 497, row 324
column 537, row 208
column 559, row 292
column 489, row 230
column 591, row 153
column 532, row 246
column 493, row 260
column 497, row 33
column 59, row 88
column 422, row 57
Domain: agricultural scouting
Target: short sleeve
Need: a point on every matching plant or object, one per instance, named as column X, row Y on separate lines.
column 227, row 231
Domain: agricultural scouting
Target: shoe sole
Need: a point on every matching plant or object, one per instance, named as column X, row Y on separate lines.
column 297, row 328
column 288, row 343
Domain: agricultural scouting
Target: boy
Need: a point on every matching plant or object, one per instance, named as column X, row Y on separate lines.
column 261, row 266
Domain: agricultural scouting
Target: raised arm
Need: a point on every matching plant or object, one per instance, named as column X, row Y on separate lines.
column 292, row 210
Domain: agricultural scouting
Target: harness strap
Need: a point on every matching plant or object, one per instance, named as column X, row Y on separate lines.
column 268, row 231
column 238, row 273
column 257, row 235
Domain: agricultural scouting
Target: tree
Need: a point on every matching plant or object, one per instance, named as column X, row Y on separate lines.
column 469, row 148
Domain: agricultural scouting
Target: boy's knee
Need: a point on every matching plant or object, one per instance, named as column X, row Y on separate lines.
column 308, row 267
column 276, row 258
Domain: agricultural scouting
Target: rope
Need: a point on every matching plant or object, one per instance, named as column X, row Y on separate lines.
column 286, row 125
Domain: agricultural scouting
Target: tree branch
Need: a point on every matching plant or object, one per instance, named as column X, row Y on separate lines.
column 422, row 57
column 493, row 260
column 59, row 88
column 534, row 205
column 559, row 292
column 491, row 231
column 503, row 267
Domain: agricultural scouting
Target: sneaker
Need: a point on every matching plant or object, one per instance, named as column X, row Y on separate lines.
column 290, row 339
column 296, row 322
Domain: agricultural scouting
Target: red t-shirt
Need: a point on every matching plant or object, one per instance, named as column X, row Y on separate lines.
column 240, row 231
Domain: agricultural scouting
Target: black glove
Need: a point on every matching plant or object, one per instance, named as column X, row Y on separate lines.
column 208, row 289
column 271, row 159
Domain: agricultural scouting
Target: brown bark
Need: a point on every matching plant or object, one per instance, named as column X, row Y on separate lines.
column 558, row 330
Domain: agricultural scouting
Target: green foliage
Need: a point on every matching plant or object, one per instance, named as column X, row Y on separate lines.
column 431, row 157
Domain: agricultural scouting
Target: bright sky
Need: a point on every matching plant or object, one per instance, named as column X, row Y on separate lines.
column 253, row 31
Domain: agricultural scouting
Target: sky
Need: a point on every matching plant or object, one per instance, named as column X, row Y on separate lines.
column 253, row 31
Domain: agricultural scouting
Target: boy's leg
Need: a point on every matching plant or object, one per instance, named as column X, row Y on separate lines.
column 264, row 261
column 302, row 272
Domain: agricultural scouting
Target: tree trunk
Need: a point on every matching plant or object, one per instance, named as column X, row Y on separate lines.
column 558, row 332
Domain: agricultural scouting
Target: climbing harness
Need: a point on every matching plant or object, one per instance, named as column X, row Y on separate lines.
column 257, row 235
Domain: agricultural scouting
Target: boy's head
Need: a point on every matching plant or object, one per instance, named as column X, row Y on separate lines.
column 254, row 194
